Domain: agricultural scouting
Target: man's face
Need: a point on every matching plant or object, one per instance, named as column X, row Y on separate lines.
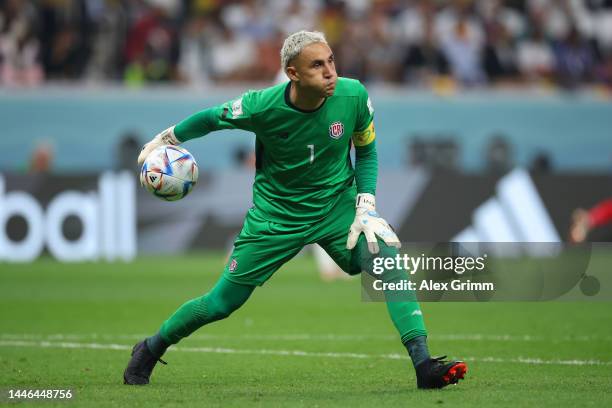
column 315, row 69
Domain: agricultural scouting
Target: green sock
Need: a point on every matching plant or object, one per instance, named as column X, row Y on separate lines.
column 402, row 306
column 219, row 303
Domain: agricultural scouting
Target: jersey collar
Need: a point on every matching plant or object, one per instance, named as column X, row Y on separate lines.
column 292, row 106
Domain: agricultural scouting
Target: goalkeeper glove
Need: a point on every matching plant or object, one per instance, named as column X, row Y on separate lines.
column 164, row 138
column 371, row 224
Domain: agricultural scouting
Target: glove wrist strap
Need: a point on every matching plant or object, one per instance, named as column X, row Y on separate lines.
column 366, row 200
column 168, row 137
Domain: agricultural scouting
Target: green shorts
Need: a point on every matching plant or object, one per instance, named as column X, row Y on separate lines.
column 262, row 246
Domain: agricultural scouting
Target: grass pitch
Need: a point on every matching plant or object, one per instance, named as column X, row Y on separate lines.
column 297, row 342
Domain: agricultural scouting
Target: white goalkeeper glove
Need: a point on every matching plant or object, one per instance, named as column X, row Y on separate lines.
column 164, row 138
column 371, row 224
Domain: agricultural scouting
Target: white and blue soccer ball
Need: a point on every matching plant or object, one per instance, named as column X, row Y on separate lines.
column 169, row 172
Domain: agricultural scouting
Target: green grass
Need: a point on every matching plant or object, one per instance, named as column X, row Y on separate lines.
column 98, row 303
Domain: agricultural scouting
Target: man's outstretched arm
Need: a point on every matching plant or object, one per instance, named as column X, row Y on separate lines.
column 234, row 114
column 583, row 221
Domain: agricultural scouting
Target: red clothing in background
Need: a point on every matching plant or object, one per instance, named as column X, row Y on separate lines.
column 601, row 214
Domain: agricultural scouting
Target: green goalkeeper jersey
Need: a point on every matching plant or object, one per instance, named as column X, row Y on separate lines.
column 303, row 158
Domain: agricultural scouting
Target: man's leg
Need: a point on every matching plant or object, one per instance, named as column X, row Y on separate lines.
column 405, row 313
column 224, row 298
column 219, row 303
column 402, row 306
column 261, row 248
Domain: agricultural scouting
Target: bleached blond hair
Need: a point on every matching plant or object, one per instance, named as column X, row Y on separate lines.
column 296, row 42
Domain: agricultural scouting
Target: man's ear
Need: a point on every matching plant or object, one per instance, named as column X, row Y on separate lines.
column 292, row 73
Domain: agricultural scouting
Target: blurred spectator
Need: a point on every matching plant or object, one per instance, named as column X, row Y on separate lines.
column 600, row 18
column 333, row 22
column 535, row 55
column 383, row 57
column 499, row 55
column 151, row 49
column 244, row 158
column 541, row 163
column 64, row 29
column 19, row 47
column 232, row 56
column 417, row 152
column 195, row 64
column 575, row 59
column 444, row 43
column 127, row 149
column 552, row 14
column 297, row 16
column 351, row 54
column 111, row 23
column 423, row 58
column 584, row 221
column 498, row 154
column 267, row 63
column 462, row 43
column 249, row 19
column 504, row 13
column 41, row 160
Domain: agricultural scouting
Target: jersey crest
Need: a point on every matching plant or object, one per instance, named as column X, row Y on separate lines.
column 336, row 130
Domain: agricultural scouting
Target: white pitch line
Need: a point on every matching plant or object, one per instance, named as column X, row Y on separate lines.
column 48, row 344
column 295, row 353
column 312, row 337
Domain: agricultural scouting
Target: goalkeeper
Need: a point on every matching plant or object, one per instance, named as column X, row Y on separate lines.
column 305, row 191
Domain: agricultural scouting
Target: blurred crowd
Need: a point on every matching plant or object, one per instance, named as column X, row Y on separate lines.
column 566, row 43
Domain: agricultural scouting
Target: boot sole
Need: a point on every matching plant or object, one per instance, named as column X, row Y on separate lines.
column 455, row 373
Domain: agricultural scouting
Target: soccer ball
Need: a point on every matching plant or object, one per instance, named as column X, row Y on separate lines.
column 169, row 172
